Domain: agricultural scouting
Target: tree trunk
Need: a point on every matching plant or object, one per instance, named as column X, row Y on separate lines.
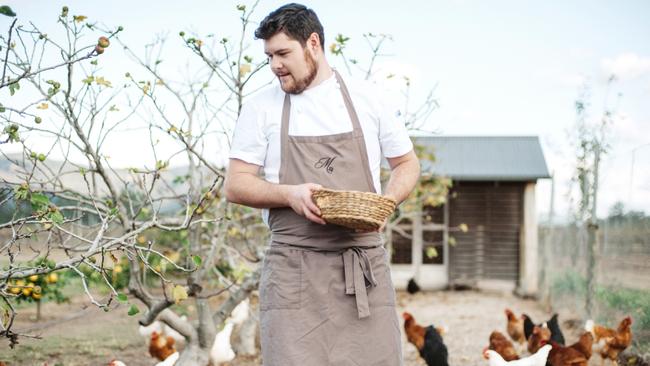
column 592, row 231
column 194, row 355
column 245, row 344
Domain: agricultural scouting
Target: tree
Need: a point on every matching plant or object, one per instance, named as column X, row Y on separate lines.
column 590, row 143
column 163, row 233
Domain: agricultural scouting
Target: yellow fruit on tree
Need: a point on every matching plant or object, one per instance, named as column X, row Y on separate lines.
column 53, row 277
column 33, row 278
column 103, row 42
column 36, row 296
column 15, row 290
column 28, row 290
column 117, row 269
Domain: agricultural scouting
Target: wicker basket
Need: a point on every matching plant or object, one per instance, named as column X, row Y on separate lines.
column 354, row 209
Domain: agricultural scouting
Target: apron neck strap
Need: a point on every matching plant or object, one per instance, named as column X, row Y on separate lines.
column 356, row 125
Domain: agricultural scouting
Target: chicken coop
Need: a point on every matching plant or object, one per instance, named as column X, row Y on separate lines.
column 485, row 234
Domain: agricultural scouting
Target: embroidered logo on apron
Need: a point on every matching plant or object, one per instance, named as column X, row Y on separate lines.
column 325, row 163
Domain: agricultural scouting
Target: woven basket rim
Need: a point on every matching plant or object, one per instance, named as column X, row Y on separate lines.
column 354, row 209
column 321, row 191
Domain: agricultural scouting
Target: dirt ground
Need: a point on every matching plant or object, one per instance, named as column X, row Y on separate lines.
column 95, row 337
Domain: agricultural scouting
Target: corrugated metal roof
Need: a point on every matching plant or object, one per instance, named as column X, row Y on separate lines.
column 512, row 158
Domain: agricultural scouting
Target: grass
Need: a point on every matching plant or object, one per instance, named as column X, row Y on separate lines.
column 612, row 303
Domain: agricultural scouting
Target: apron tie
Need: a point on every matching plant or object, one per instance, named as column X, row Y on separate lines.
column 358, row 277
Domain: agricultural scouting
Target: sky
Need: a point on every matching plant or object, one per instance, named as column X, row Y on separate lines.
column 497, row 68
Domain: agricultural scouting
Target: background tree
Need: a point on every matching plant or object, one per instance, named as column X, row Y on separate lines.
column 167, row 235
column 590, row 143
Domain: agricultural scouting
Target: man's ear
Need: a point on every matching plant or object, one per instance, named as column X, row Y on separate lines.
column 314, row 42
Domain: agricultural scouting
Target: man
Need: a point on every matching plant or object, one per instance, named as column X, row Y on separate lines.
column 326, row 296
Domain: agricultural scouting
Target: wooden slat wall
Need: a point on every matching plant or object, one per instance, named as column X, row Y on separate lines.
column 402, row 248
column 493, row 213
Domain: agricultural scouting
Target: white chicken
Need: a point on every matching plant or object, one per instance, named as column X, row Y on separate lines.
column 162, row 329
column 221, row 349
column 538, row 359
column 156, row 326
column 169, row 361
column 239, row 313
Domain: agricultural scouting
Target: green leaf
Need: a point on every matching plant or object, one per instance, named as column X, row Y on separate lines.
column 6, row 10
column 39, row 200
column 133, row 310
column 122, row 298
column 57, row 217
column 161, row 164
column 179, row 293
column 13, row 87
column 197, row 260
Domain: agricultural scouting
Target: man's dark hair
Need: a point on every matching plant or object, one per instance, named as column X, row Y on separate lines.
column 295, row 20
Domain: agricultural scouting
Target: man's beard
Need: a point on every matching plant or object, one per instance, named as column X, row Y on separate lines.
column 300, row 85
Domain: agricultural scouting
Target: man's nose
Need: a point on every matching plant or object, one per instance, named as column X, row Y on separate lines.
column 276, row 64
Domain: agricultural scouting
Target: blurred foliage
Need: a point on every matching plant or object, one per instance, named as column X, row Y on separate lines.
column 39, row 288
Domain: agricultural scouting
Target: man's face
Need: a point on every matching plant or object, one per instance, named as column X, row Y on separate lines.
column 294, row 65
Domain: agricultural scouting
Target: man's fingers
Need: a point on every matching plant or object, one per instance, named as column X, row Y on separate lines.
column 314, row 186
column 311, row 217
column 382, row 227
column 311, row 206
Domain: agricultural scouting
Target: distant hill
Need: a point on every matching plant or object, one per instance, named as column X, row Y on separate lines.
column 14, row 168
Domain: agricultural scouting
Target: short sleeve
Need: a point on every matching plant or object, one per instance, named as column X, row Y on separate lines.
column 393, row 136
column 249, row 142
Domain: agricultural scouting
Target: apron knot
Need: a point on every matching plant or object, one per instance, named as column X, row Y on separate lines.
column 358, row 277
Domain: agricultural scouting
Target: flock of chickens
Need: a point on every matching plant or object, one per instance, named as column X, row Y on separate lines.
column 529, row 344
column 163, row 340
column 543, row 343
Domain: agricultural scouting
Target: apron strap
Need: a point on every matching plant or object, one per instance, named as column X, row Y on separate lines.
column 347, row 99
column 356, row 126
column 284, row 136
column 358, row 277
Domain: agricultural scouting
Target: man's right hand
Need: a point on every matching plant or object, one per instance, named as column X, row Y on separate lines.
column 300, row 200
column 244, row 186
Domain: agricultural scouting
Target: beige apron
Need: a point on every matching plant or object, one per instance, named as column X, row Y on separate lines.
column 326, row 295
